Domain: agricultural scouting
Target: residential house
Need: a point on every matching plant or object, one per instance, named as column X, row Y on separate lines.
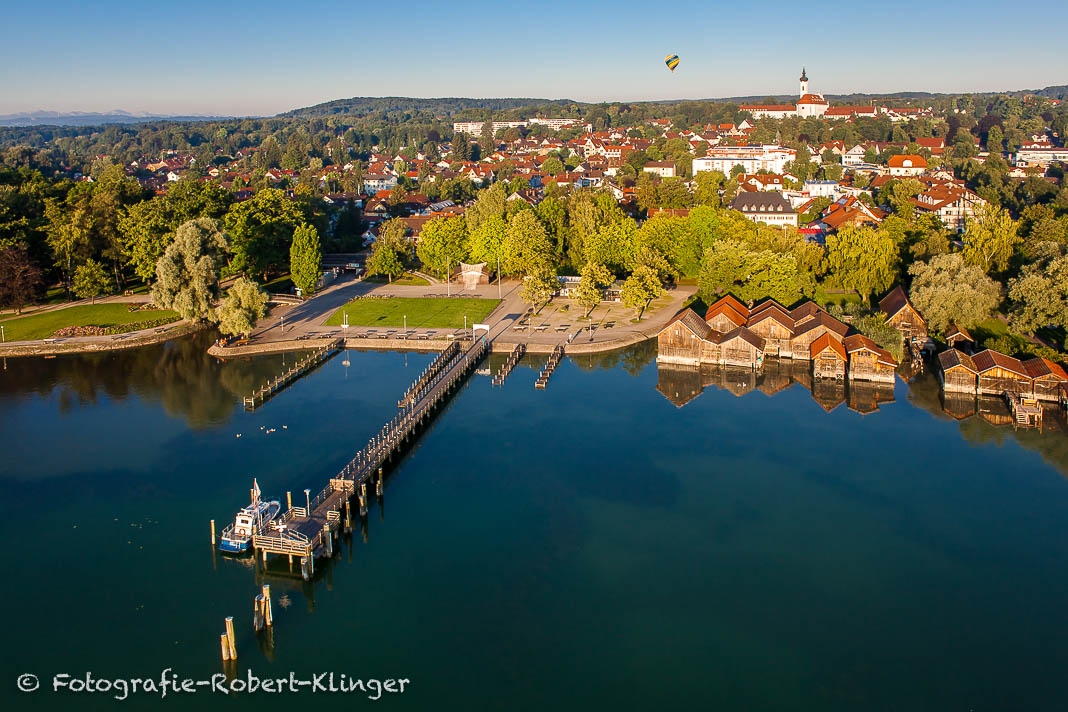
column 766, row 207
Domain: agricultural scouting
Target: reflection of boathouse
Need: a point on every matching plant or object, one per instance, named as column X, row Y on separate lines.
column 731, row 334
column 682, row 383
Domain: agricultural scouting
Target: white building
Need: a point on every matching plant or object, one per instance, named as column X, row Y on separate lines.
column 374, row 182
column 664, row 169
column 752, row 159
column 821, row 188
column 766, row 207
column 474, row 128
column 1040, row 156
column 808, row 104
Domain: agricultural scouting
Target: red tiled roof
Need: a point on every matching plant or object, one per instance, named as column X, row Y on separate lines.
column 989, row 359
column 825, row 342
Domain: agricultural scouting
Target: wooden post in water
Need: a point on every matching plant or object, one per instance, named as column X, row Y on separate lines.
column 230, row 637
column 348, row 515
column 328, row 540
column 225, row 643
column 289, row 501
column 363, row 499
column 378, row 485
column 257, row 613
column 213, row 532
column 268, row 613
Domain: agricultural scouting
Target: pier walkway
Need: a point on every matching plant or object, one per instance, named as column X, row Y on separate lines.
column 306, row 364
column 308, row 532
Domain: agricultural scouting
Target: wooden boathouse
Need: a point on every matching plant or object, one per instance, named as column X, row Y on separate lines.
column 732, row 334
column 990, row 372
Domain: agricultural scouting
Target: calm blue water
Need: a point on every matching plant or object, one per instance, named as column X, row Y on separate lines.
column 589, row 546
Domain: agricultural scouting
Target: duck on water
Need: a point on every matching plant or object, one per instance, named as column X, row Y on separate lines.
column 250, row 520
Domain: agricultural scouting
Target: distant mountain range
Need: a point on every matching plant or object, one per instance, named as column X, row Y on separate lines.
column 86, row 118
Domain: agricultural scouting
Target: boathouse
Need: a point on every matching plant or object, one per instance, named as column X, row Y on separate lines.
column 958, row 338
column 775, row 325
column 901, row 315
column 957, row 372
column 868, row 362
column 1047, row 378
column 828, row 358
column 1000, row 374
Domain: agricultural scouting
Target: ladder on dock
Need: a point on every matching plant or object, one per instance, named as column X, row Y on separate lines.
column 306, row 364
column 1025, row 411
column 550, row 366
column 511, row 363
column 308, row 532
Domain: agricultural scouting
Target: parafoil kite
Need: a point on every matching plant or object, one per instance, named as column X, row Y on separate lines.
column 672, row 61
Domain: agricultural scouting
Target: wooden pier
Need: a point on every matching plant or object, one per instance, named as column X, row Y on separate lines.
column 309, row 531
column 429, row 373
column 550, row 366
column 509, row 364
column 303, row 366
column 1026, row 412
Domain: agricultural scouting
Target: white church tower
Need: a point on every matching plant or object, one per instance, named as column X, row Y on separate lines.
column 804, row 82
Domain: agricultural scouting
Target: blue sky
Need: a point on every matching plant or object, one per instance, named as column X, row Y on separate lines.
column 265, row 57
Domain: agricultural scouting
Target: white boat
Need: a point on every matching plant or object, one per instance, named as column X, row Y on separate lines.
column 250, row 520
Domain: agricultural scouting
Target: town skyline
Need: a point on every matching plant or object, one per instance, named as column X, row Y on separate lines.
column 239, row 65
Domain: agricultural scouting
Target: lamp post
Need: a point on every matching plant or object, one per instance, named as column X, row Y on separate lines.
column 448, row 282
column 282, row 324
column 498, row 276
column 406, row 322
column 2, row 334
column 307, row 500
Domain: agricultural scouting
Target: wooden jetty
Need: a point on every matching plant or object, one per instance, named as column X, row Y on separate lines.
column 308, row 532
column 306, row 364
column 509, row 364
column 429, row 373
column 550, row 366
column 1026, row 412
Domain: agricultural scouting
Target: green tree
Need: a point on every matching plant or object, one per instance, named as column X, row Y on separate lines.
column 707, row 187
column 262, row 230
column 442, row 244
column 863, row 259
column 384, row 260
column 553, row 166
column 539, row 287
column 90, row 280
column 990, row 239
column 244, row 305
column 486, row 243
column 613, row 245
column 306, row 259
column 1039, row 296
column 640, row 288
column 591, row 286
column 947, row 290
column 187, row 275
column 527, row 249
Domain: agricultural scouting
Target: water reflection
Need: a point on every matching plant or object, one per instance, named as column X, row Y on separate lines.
column 179, row 375
column 982, row 420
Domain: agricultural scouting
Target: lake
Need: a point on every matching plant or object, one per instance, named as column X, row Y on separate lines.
column 630, row 537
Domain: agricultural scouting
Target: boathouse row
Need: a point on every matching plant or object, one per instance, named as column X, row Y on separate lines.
column 994, row 373
column 732, row 334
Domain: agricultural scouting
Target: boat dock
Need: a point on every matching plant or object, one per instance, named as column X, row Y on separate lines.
column 509, row 364
column 550, row 366
column 308, row 532
column 306, row 364
column 1025, row 411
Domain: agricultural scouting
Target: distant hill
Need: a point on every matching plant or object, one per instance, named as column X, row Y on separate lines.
column 85, row 118
column 445, row 106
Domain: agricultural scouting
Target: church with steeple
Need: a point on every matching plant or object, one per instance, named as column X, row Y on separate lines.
column 808, row 104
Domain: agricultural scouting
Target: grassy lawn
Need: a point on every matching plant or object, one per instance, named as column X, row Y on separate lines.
column 422, row 313
column 407, row 280
column 41, row 326
column 822, row 298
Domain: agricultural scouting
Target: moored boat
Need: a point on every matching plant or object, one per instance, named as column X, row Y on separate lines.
column 237, row 538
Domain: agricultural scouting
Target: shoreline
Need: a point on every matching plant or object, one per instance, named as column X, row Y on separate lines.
column 147, row 337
